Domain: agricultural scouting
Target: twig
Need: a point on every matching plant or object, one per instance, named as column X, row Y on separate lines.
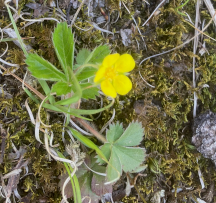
column 27, row 85
column 92, row 130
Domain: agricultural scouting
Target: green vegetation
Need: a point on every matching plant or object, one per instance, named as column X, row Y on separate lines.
column 164, row 110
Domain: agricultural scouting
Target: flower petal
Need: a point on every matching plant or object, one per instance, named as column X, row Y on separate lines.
column 100, row 74
column 108, row 89
column 110, row 60
column 122, row 84
column 125, row 63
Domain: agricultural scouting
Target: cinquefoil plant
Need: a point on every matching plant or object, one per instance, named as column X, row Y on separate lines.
column 78, row 79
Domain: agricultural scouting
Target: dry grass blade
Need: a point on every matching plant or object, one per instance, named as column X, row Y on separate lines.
column 159, row 5
column 211, row 9
column 146, row 81
column 9, row 64
column 196, row 39
column 14, row 179
column 80, row 129
column 39, row 110
column 29, row 112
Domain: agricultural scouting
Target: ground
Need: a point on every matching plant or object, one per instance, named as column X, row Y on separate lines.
column 162, row 97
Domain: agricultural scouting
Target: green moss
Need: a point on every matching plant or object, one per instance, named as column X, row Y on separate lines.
column 166, row 111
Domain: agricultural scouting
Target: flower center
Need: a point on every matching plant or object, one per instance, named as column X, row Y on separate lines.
column 110, row 73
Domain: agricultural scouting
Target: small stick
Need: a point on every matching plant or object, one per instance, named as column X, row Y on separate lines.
column 27, row 85
column 92, row 130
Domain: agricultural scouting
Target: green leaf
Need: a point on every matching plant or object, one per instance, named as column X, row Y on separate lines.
column 99, row 54
column 120, row 156
column 76, row 89
column 114, row 169
column 130, row 157
column 106, row 149
column 86, row 73
column 132, row 136
column 61, row 88
column 57, row 109
column 42, row 69
column 89, row 93
column 47, row 90
column 83, row 111
column 71, row 100
column 31, row 96
column 140, row 168
column 16, row 31
column 82, row 56
column 114, row 132
column 63, row 41
column 87, row 142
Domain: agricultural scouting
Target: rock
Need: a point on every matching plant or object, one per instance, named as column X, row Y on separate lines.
column 204, row 135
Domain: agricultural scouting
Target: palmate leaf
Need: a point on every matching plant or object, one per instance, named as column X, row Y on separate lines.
column 42, row 69
column 63, row 41
column 130, row 157
column 114, row 169
column 82, row 56
column 121, row 150
column 99, row 54
column 132, row 136
column 114, row 132
column 106, row 149
column 89, row 93
column 61, row 88
column 86, row 73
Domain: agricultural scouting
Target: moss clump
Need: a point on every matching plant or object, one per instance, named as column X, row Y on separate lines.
column 164, row 108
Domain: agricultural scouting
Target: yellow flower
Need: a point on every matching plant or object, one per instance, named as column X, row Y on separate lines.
column 111, row 74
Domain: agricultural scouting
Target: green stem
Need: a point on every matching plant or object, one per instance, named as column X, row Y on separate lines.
column 177, row 9
column 90, row 86
column 74, row 180
column 17, row 32
column 76, row 84
column 79, row 69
